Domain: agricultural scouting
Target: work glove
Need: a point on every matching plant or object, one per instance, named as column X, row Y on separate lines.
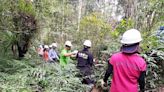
column 75, row 52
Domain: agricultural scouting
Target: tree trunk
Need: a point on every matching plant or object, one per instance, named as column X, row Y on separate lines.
column 79, row 14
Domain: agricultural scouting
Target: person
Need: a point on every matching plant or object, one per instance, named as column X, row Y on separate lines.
column 85, row 62
column 45, row 53
column 127, row 66
column 52, row 53
column 160, row 34
column 66, row 53
column 40, row 50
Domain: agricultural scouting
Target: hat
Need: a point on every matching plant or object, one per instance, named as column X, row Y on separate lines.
column 54, row 44
column 46, row 46
column 130, row 48
column 131, row 36
column 87, row 43
column 68, row 43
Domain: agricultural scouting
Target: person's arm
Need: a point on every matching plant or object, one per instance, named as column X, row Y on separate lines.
column 77, row 55
column 72, row 54
column 56, row 55
column 90, row 58
column 68, row 54
column 49, row 55
column 108, row 72
column 141, row 81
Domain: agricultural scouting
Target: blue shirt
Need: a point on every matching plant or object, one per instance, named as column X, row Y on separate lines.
column 53, row 55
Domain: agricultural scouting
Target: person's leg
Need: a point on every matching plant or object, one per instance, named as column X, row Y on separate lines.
column 87, row 75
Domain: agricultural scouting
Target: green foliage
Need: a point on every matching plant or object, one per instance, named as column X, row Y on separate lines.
column 93, row 27
column 124, row 25
column 17, row 23
column 26, row 7
column 150, row 41
column 57, row 21
column 154, row 59
column 7, row 39
column 25, row 75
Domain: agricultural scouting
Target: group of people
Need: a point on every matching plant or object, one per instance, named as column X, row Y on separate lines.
column 84, row 57
column 48, row 53
column 127, row 67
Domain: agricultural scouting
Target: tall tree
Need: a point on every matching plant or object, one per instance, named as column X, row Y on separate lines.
column 79, row 13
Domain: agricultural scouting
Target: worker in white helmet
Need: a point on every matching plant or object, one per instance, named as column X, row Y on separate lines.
column 53, row 56
column 85, row 63
column 127, row 66
column 66, row 53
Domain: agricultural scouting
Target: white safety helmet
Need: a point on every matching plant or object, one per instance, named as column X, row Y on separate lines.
column 68, row 43
column 50, row 46
column 54, row 44
column 131, row 36
column 40, row 46
column 87, row 43
column 46, row 47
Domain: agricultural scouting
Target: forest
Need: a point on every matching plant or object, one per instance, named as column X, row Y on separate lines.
column 27, row 24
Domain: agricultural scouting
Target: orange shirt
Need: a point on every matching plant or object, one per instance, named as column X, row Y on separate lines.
column 45, row 55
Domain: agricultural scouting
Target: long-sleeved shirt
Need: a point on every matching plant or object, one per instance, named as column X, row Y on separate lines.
column 84, row 58
column 52, row 55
